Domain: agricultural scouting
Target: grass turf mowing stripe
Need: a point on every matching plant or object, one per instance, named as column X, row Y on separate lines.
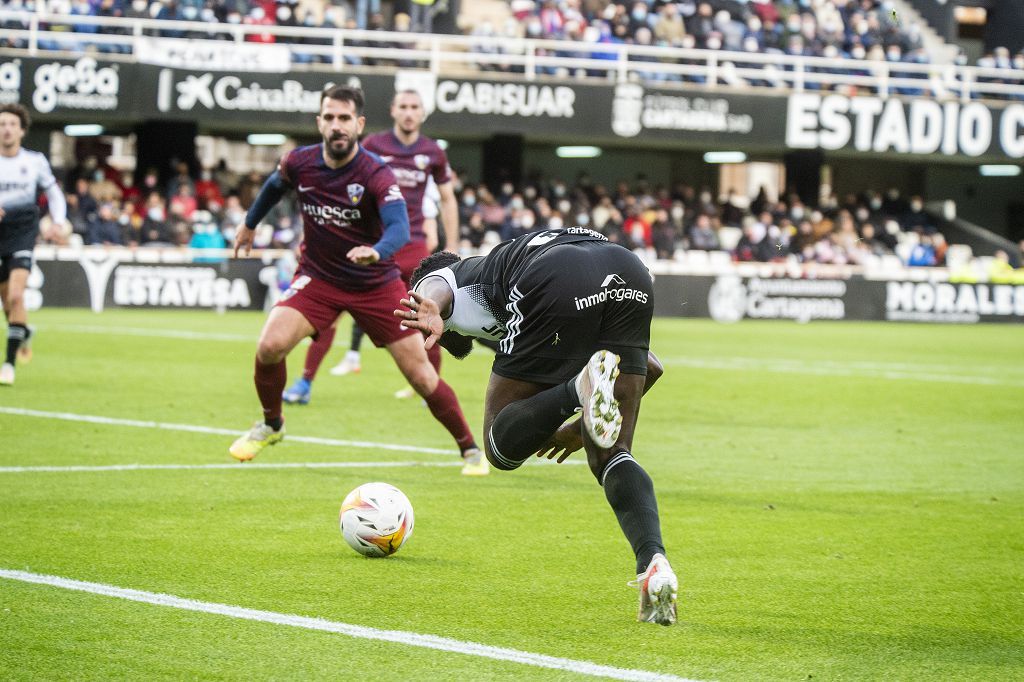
column 863, row 370
column 142, row 424
column 358, row 631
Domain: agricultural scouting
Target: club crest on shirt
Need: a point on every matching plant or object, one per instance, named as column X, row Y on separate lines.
column 421, row 161
column 355, row 192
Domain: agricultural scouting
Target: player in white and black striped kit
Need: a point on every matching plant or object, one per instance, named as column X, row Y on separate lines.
column 570, row 311
column 23, row 174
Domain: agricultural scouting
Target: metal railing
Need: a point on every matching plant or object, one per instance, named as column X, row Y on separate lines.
column 40, row 33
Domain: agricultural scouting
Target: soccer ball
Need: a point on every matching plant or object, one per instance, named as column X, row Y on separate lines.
column 376, row 519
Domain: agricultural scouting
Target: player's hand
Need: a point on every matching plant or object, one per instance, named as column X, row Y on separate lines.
column 2, row 213
column 424, row 315
column 363, row 255
column 566, row 440
column 243, row 239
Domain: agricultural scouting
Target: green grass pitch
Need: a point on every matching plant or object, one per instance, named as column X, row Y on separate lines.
column 841, row 501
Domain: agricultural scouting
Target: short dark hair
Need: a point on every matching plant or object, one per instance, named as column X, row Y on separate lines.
column 19, row 111
column 344, row 93
column 406, row 91
column 432, row 263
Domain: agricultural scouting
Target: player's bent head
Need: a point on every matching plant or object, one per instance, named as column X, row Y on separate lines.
column 19, row 111
column 456, row 344
column 344, row 93
column 432, row 263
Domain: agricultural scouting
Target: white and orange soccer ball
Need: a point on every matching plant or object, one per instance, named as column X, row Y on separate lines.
column 376, row 519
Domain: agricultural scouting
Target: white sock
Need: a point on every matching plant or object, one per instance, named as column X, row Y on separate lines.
column 352, row 356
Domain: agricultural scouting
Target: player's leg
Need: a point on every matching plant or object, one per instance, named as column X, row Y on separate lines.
column 411, row 359
column 283, row 330
column 301, row 391
column 520, row 416
column 309, row 305
column 434, row 357
column 630, row 493
column 408, row 259
column 373, row 311
column 17, row 322
column 625, row 331
column 352, row 362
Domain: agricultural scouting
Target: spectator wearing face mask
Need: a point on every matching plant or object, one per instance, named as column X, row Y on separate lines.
column 258, row 17
column 669, row 28
column 473, row 231
column 105, row 229
column 155, row 231
column 103, row 189
column 914, row 219
column 702, row 235
column 701, row 24
column 923, row 253
column 206, row 236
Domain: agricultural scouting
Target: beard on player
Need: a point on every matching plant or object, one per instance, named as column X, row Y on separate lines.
column 338, row 152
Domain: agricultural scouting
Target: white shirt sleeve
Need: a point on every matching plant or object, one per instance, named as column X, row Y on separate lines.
column 431, row 199
column 58, row 205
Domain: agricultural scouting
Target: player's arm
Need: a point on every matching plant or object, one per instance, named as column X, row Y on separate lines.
column 430, row 210
column 427, row 308
column 271, row 192
column 449, row 216
column 395, row 235
column 568, row 438
column 430, row 232
column 56, row 203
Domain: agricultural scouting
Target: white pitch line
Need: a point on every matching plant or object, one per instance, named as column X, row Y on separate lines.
column 236, row 466
column 239, row 466
column 357, row 631
column 112, row 421
column 895, row 372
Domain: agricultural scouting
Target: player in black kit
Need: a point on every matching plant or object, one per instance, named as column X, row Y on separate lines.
column 570, row 311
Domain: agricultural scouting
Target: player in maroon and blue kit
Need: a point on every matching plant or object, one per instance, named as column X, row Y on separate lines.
column 415, row 159
column 354, row 221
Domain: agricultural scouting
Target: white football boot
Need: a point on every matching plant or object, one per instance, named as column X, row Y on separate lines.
column 659, row 589
column 595, row 386
column 7, row 374
column 349, row 365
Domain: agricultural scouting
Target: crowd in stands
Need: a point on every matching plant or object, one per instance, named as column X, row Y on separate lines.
column 107, row 207
column 865, row 30
column 661, row 221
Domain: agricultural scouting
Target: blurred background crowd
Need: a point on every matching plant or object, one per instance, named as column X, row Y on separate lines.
column 106, row 207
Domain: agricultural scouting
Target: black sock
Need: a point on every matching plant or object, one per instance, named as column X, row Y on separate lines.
column 357, row 338
column 523, row 426
column 276, row 423
column 630, row 493
column 16, row 333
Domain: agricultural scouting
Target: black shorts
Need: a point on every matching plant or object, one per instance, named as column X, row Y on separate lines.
column 572, row 301
column 16, row 250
